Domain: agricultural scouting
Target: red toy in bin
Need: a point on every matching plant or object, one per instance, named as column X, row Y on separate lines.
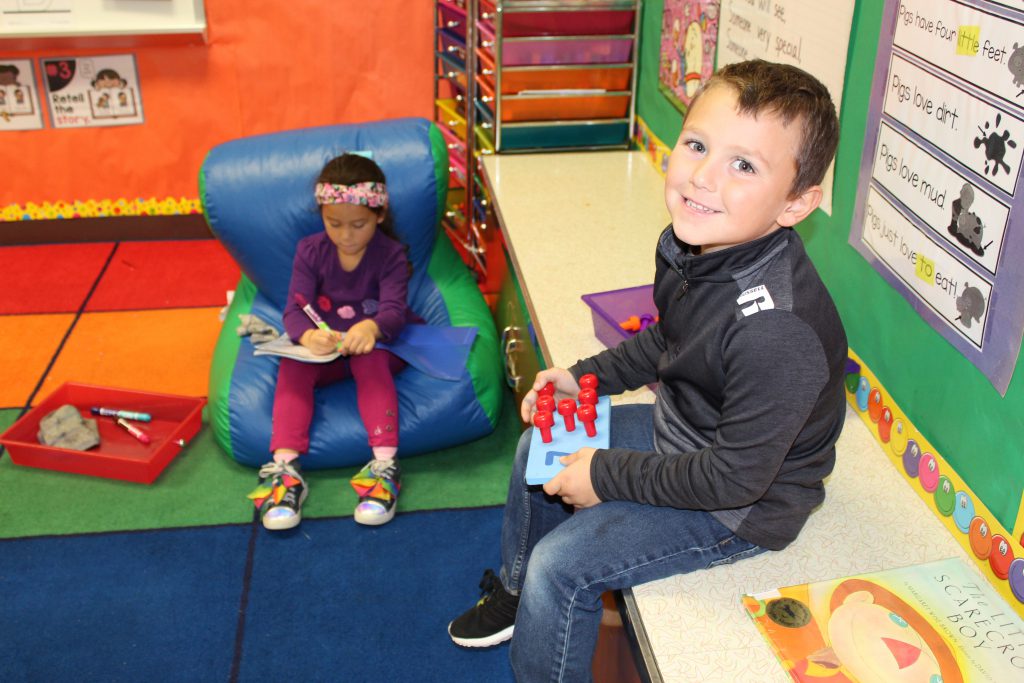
column 175, row 420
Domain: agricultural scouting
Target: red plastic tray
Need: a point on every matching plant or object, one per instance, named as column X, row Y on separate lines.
column 176, row 419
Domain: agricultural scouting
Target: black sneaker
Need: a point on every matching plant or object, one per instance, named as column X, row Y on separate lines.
column 280, row 495
column 491, row 620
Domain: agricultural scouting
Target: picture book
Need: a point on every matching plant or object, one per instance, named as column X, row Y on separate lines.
column 938, row 622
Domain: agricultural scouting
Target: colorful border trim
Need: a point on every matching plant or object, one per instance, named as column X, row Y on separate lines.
column 102, row 208
column 646, row 140
column 998, row 554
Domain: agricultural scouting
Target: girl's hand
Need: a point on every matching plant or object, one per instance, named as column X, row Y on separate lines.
column 360, row 338
column 320, row 342
column 565, row 387
column 573, row 483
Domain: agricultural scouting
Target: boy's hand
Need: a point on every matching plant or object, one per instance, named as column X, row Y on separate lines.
column 573, row 483
column 320, row 342
column 565, row 387
column 360, row 338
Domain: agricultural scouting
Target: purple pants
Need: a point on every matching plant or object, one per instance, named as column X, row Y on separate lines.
column 375, row 395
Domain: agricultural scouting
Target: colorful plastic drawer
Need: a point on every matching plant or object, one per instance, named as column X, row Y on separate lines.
column 517, row 79
column 524, row 136
column 484, row 140
column 560, row 50
column 175, row 420
column 453, row 46
column 457, row 171
column 456, row 145
column 567, row 23
column 448, row 114
column 452, row 18
column 564, row 107
column 609, row 310
column 484, row 114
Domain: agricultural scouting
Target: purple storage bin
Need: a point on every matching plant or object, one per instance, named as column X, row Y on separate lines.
column 608, row 309
column 588, row 50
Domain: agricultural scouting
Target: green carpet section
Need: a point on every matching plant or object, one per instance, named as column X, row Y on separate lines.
column 203, row 486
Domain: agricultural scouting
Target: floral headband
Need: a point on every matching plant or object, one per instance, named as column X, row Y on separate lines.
column 373, row 195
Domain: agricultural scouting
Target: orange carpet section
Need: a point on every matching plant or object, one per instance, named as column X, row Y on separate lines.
column 27, row 344
column 166, row 351
column 176, row 274
column 49, row 278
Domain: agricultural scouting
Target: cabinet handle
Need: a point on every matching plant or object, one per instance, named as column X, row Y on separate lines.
column 487, row 72
column 453, row 24
column 485, row 98
column 487, row 43
column 487, row 15
column 510, row 344
column 486, row 125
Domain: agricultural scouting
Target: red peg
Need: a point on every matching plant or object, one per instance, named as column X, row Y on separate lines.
column 588, row 396
column 547, row 390
column 588, row 414
column 588, row 381
column 544, row 420
column 567, row 409
column 545, row 403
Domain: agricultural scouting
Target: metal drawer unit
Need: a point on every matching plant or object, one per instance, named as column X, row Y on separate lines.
column 555, row 74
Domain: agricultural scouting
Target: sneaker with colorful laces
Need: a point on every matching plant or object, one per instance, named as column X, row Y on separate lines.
column 377, row 486
column 280, row 495
column 491, row 620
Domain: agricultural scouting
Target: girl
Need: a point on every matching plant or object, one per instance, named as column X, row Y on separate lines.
column 354, row 275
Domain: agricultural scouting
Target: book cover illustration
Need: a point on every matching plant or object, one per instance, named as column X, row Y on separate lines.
column 938, row 622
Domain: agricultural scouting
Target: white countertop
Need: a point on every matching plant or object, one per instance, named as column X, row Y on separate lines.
column 586, row 222
column 577, row 223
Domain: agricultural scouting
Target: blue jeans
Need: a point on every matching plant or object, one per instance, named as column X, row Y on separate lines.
column 560, row 562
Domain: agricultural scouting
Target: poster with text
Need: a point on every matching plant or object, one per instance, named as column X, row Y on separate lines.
column 940, row 186
column 92, row 91
column 19, row 101
column 810, row 34
column 689, row 32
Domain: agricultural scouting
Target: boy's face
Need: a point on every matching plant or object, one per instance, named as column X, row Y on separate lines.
column 730, row 175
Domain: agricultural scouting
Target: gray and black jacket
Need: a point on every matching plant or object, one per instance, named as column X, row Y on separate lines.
column 749, row 353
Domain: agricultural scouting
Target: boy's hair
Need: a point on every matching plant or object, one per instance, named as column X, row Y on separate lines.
column 349, row 169
column 792, row 94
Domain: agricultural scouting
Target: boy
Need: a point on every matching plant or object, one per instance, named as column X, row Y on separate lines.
column 749, row 354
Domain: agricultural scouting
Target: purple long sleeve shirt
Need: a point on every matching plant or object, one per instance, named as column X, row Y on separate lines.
column 376, row 289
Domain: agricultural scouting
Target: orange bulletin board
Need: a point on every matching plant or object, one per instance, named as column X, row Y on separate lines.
column 266, row 66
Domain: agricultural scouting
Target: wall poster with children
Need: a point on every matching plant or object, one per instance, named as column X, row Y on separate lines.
column 940, row 179
column 92, row 91
column 19, row 100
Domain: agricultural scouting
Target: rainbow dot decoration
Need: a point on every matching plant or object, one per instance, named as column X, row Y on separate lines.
column 996, row 552
column 100, row 208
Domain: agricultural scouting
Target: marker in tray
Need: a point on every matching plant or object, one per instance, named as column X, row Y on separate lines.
column 126, row 414
column 133, row 430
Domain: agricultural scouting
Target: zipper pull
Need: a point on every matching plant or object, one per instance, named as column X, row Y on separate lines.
column 683, row 289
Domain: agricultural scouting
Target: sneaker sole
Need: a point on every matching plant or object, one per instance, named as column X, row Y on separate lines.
column 487, row 641
column 282, row 523
column 374, row 520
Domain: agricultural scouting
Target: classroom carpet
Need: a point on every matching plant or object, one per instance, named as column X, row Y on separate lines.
column 105, row 580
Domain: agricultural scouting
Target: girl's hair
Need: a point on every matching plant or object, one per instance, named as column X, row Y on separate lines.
column 349, row 169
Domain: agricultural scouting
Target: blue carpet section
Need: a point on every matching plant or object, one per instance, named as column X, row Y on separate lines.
column 328, row 601
column 143, row 606
column 350, row 603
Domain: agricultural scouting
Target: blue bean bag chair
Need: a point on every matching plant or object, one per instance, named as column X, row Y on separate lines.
column 257, row 193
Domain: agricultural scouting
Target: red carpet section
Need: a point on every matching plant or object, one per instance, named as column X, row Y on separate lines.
column 137, row 315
